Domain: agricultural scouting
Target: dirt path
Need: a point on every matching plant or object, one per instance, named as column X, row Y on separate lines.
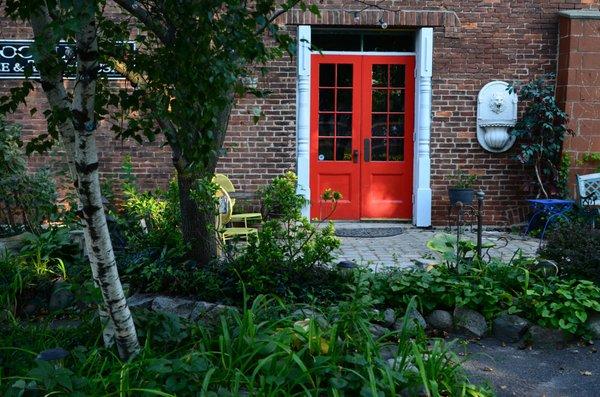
column 571, row 371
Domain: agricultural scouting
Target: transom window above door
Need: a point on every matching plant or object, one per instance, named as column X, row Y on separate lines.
column 363, row 40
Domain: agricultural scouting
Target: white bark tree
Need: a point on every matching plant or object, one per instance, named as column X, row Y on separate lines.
column 76, row 131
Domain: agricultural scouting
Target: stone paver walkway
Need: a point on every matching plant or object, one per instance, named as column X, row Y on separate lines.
column 401, row 250
column 573, row 371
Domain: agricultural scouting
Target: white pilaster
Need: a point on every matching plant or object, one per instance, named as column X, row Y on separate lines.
column 422, row 167
column 303, row 115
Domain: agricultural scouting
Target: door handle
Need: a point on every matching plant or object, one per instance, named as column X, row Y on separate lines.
column 367, row 145
column 355, row 156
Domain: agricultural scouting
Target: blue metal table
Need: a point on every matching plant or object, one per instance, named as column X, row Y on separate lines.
column 553, row 209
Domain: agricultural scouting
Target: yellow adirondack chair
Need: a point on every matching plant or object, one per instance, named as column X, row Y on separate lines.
column 225, row 184
column 224, row 217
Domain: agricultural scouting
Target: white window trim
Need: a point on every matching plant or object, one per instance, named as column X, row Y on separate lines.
column 422, row 127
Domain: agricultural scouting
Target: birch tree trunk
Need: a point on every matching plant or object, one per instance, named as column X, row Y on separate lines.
column 77, row 136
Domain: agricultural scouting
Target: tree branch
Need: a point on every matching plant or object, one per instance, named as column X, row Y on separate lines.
column 136, row 9
column 276, row 15
column 133, row 77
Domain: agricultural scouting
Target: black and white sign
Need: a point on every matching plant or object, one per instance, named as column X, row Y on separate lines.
column 15, row 56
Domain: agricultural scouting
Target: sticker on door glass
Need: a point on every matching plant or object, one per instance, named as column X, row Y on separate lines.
column 321, row 157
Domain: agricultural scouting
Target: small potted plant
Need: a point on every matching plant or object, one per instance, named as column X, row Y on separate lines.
column 461, row 188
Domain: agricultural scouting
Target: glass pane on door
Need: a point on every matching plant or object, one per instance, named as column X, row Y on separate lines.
column 335, row 112
column 387, row 112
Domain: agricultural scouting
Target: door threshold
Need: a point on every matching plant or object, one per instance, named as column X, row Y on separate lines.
column 383, row 220
column 371, row 221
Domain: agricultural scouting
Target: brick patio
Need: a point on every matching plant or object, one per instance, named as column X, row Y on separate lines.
column 401, row 250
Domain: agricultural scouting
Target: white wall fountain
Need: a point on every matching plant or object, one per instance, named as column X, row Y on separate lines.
column 496, row 114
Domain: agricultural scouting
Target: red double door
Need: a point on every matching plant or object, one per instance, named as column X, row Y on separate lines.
column 362, row 116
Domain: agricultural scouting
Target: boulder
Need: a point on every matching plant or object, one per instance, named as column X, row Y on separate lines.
column 425, row 263
column 33, row 306
column 593, row 325
column 61, row 324
column 470, row 321
column 388, row 351
column 395, row 364
column 510, row 328
column 415, row 320
column 378, row 330
column 53, row 354
column 415, row 390
column 61, row 296
column 440, row 319
column 178, row 306
column 304, row 312
column 540, row 336
column 11, row 244
column 210, row 313
column 389, row 317
column 141, row 301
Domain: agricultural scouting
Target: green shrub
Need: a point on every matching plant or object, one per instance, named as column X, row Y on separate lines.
column 151, row 218
column 280, row 200
column 52, row 243
column 25, row 279
column 575, row 247
column 289, row 253
column 26, row 199
column 541, row 130
column 29, row 276
column 493, row 288
column 557, row 303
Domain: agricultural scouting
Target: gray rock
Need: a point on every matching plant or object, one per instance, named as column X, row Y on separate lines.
column 510, row 328
column 593, row 325
column 77, row 237
column 378, row 330
column 61, row 296
column 540, row 336
column 180, row 307
column 210, row 313
column 388, row 351
column 425, row 263
column 395, row 364
column 33, row 306
column 440, row 319
column 470, row 321
column 416, row 390
column 304, row 312
column 141, row 301
column 415, row 320
column 52, row 354
column 389, row 317
column 64, row 324
column 12, row 244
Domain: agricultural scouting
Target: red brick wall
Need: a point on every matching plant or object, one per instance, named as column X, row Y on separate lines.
column 578, row 88
column 152, row 164
column 475, row 42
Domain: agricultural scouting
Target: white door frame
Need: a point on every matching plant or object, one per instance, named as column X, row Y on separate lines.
column 422, row 127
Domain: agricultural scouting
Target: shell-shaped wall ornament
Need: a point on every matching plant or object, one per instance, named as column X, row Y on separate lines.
column 496, row 114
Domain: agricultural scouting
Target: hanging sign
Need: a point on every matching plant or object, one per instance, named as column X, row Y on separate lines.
column 15, row 57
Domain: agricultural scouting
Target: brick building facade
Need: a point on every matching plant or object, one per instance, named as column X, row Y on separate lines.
column 472, row 43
